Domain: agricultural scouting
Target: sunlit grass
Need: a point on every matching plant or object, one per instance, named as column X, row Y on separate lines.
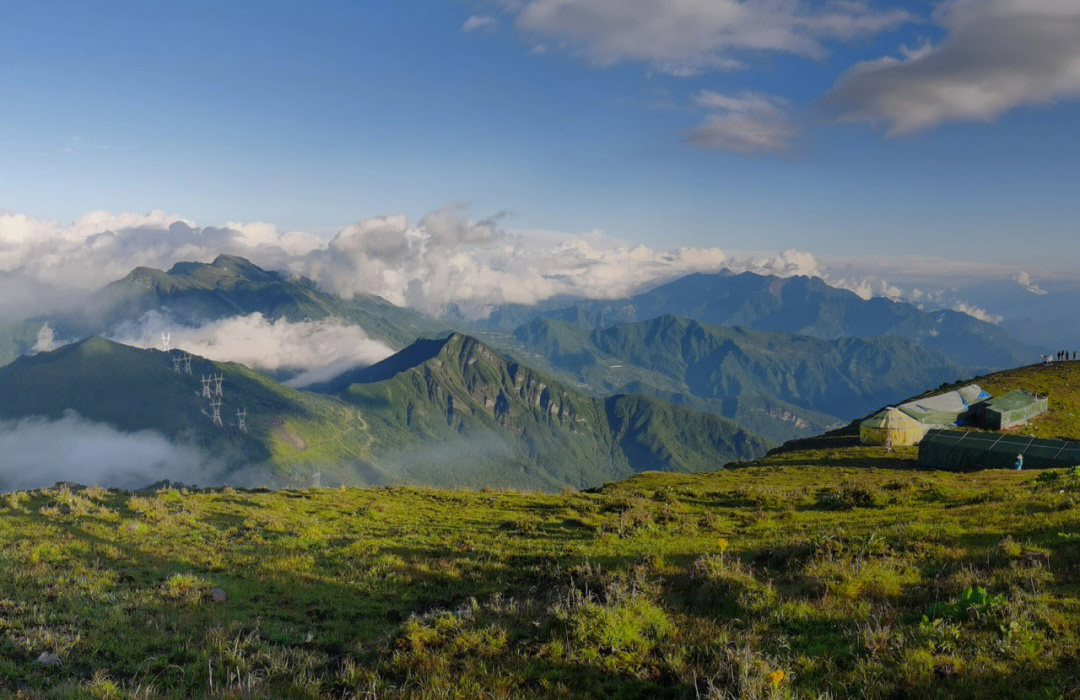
column 757, row 582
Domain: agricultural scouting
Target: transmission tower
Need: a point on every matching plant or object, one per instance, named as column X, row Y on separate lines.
column 187, row 363
column 165, row 338
column 241, row 420
column 176, row 362
column 215, row 406
column 316, row 479
column 206, row 387
column 218, row 379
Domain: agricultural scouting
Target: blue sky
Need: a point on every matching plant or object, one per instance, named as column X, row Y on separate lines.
column 315, row 115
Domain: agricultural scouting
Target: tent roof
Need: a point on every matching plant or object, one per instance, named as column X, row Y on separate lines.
column 972, row 393
column 891, row 418
column 1011, row 401
column 965, row 450
column 944, row 408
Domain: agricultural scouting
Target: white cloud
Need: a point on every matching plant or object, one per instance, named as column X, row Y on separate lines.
column 749, row 123
column 686, row 36
column 46, row 339
column 480, row 23
column 997, row 55
column 976, row 312
column 39, row 452
column 1024, row 280
column 445, row 259
column 313, row 350
column 100, row 247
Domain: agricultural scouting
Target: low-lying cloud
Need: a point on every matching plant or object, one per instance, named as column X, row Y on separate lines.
column 448, row 260
column 313, row 351
column 39, row 452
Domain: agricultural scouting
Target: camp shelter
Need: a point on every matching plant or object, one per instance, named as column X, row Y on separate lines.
column 891, row 425
column 950, row 408
column 1012, row 408
column 965, row 450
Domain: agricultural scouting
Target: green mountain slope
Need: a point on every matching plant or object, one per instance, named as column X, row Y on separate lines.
column 506, row 418
column 446, row 413
column 778, row 384
column 132, row 389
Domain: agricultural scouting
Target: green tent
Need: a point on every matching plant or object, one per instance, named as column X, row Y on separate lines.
column 1012, row 408
column 963, row 450
column 950, row 408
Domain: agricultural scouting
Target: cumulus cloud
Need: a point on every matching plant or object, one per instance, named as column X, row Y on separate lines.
column 976, row 312
column 683, row 37
column 749, row 123
column 480, row 23
column 39, row 452
column 46, row 339
column 447, row 259
column 313, row 351
column 1024, row 280
column 997, row 55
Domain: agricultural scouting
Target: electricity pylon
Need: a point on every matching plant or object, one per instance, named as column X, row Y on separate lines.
column 176, row 362
column 218, row 379
column 215, row 406
column 206, row 387
column 165, row 338
column 187, row 363
column 241, row 420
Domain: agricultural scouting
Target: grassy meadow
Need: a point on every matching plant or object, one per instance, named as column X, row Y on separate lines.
column 766, row 581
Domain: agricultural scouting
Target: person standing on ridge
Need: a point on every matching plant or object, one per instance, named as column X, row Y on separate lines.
column 1019, row 462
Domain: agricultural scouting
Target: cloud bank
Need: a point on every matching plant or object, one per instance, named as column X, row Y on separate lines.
column 39, row 452
column 997, row 55
column 313, row 351
column 446, row 261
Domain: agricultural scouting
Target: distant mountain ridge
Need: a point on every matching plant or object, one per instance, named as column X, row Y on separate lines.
column 802, row 305
column 194, row 293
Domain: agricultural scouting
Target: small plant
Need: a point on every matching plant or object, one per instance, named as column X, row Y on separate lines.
column 974, row 602
column 846, row 498
column 1059, row 479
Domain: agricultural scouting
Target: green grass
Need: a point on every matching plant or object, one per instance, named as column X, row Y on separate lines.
column 768, row 581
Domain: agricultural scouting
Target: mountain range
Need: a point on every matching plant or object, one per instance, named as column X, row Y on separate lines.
column 780, row 385
column 800, row 305
column 693, row 373
column 447, row 412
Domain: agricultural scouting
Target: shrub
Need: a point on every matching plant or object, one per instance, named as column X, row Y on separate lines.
column 846, row 498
